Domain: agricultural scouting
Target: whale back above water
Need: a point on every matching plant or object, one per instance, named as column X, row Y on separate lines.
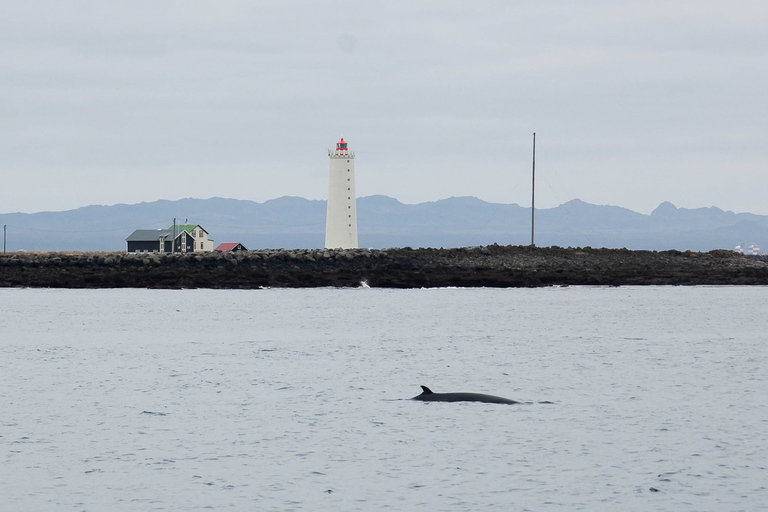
column 428, row 396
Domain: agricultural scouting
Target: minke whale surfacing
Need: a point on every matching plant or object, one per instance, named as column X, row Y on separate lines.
column 428, row 396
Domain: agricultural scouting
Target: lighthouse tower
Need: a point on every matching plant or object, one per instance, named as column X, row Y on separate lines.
column 341, row 215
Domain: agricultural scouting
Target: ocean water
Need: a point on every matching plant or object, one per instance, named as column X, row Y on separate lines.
column 634, row 398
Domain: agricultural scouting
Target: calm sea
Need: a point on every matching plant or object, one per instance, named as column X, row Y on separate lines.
column 649, row 398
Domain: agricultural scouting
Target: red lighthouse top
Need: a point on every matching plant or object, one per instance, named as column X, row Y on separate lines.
column 341, row 145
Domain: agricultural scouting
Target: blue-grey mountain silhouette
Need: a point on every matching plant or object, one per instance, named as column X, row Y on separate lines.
column 383, row 222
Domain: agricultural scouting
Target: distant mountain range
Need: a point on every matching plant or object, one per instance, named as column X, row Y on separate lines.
column 294, row 222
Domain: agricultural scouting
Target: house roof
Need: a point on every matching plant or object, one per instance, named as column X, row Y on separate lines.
column 153, row 235
column 145, row 235
column 228, row 246
column 187, row 227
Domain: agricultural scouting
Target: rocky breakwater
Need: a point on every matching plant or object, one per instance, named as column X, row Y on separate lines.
column 492, row 266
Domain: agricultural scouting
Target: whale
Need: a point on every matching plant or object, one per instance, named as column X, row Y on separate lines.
column 428, row 396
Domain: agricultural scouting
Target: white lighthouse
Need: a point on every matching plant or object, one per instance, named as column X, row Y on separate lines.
column 341, row 215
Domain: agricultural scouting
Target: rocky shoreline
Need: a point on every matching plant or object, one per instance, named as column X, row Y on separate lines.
column 489, row 266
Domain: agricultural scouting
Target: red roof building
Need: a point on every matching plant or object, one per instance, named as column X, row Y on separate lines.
column 230, row 246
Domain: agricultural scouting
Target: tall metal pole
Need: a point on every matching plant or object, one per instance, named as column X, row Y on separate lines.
column 4, row 228
column 533, row 189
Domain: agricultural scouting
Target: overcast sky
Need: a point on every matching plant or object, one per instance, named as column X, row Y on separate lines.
column 633, row 102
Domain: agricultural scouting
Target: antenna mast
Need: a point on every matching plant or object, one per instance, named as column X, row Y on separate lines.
column 533, row 189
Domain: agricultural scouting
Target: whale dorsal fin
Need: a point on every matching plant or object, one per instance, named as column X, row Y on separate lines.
column 427, row 391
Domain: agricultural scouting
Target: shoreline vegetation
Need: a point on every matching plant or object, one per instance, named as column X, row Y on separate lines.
column 483, row 266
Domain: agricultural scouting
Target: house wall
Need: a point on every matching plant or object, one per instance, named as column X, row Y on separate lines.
column 185, row 242
column 147, row 246
column 202, row 242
